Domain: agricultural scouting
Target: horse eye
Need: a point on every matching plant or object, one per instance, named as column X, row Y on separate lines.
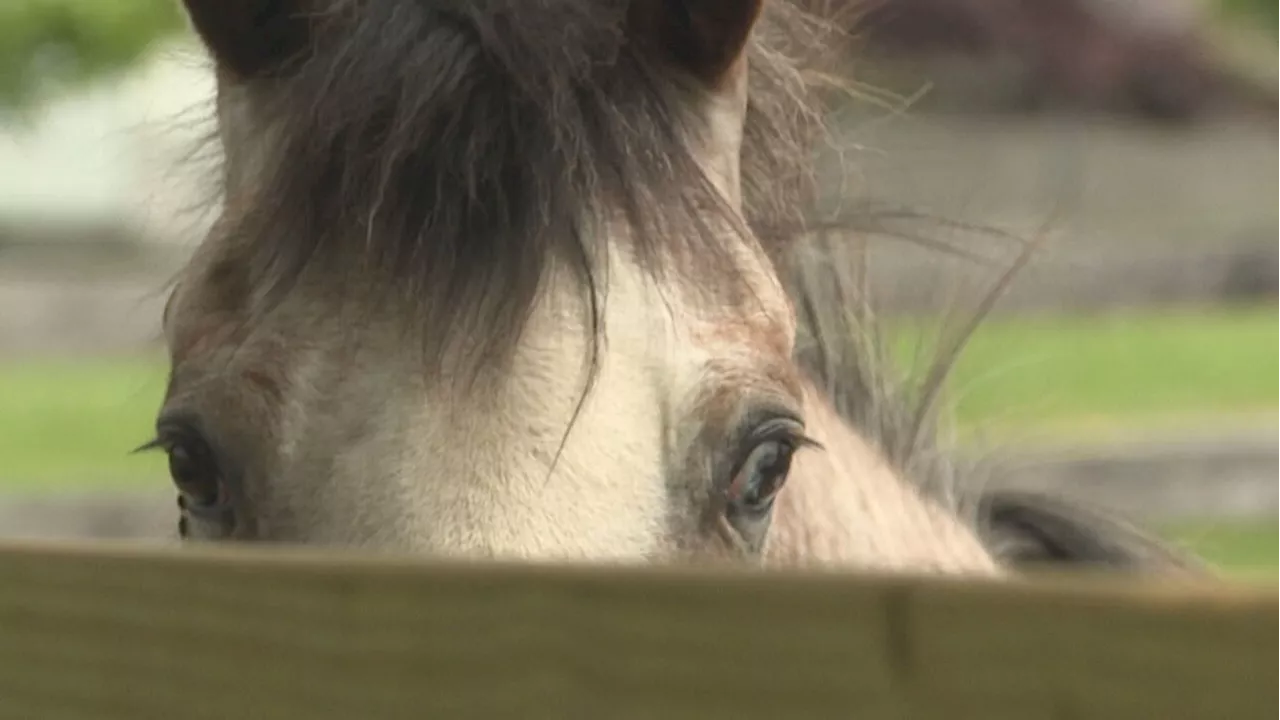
column 761, row 476
column 194, row 472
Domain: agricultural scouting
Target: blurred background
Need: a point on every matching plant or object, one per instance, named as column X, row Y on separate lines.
column 1134, row 364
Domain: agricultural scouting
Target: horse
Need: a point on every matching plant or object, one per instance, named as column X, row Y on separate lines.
column 500, row 279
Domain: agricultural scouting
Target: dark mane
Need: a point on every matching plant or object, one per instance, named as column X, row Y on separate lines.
column 841, row 349
column 446, row 155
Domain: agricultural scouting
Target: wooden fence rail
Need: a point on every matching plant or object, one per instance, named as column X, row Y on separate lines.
column 108, row 632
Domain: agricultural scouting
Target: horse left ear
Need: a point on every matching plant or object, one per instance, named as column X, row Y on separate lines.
column 705, row 38
column 1027, row 530
column 251, row 38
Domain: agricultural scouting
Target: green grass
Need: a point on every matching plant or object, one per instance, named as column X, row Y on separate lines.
column 74, row 422
column 1249, row 550
column 1109, row 374
column 71, row 422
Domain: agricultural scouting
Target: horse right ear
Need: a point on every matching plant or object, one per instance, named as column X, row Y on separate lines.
column 705, row 38
column 251, row 38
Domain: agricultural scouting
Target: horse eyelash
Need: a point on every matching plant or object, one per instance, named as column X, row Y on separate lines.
column 793, row 436
column 800, row 441
column 804, row 441
column 151, row 445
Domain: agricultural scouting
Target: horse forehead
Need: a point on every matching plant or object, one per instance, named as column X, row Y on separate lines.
column 759, row 331
column 762, row 317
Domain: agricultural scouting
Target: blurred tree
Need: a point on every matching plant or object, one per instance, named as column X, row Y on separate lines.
column 50, row 44
column 1255, row 11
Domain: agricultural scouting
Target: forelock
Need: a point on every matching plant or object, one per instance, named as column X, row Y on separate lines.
column 444, row 156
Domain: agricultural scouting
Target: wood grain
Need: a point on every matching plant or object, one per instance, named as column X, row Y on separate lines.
column 113, row 631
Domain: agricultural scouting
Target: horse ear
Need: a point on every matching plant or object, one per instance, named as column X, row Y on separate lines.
column 1028, row 530
column 705, row 38
column 250, row 38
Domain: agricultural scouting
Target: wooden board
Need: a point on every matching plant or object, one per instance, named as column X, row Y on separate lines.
column 109, row 631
